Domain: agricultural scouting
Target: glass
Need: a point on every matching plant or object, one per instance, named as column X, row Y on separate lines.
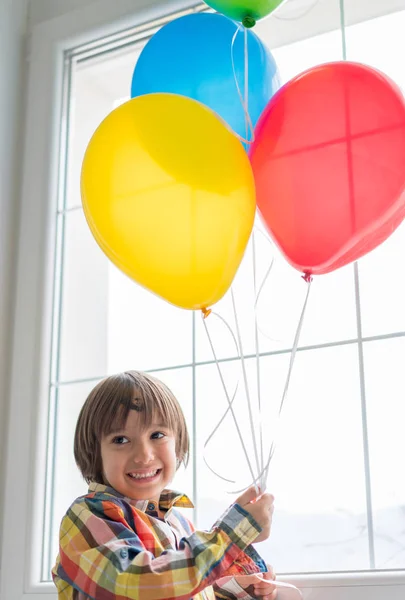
column 385, row 389
column 109, row 323
column 84, row 308
column 382, row 279
column 317, row 474
column 366, row 42
column 68, row 483
column 293, row 34
column 144, row 331
column 382, row 287
column 330, row 315
column 98, row 86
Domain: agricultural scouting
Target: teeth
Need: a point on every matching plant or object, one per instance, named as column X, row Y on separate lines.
column 144, row 475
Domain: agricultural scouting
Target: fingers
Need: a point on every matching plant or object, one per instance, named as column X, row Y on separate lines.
column 265, row 504
column 247, row 496
column 270, row 574
column 265, row 584
column 268, row 501
column 265, row 591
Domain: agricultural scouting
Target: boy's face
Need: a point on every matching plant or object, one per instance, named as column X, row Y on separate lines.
column 137, row 462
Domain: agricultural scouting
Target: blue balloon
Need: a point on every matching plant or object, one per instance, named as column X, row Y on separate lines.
column 192, row 56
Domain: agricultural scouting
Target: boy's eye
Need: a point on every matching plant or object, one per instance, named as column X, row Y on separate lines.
column 119, row 440
column 157, row 435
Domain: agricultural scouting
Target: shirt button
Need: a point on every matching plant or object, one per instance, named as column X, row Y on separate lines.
column 151, row 506
column 124, row 553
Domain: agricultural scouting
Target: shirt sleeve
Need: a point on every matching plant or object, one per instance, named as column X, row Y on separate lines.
column 248, row 563
column 229, row 589
column 101, row 556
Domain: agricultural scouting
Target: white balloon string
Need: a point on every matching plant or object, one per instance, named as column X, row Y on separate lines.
column 241, row 98
column 263, row 283
column 246, row 95
column 213, row 432
column 213, row 314
column 211, row 435
column 257, row 352
column 215, row 473
column 282, row 584
column 245, row 379
column 265, row 278
column 261, row 287
column 248, row 126
column 290, row 368
column 255, row 482
column 229, row 400
column 258, row 380
column 295, row 346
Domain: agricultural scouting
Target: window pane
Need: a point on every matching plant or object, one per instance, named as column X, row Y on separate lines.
column 284, row 31
column 382, row 276
column 67, row 480
column 84, row 309
column 98, row 86
column 385, row 389
column 382, row 287
column 143, row 330
column 109, row 323
column 330, row 315
column 317, row 474
column 296, row 58
column 387, row 57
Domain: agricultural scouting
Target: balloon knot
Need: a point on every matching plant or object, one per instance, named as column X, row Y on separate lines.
column 206, row 312
column 307, row 277
column 248, row 22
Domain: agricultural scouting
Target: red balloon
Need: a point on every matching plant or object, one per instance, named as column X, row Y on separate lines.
column 329, row 165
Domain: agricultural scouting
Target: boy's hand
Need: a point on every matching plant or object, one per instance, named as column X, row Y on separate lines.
column 261, row 508
column 259, row 585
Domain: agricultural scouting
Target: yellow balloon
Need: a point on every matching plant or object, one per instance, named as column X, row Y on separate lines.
column 168, row 193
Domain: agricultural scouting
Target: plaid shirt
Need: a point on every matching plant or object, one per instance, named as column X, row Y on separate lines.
column 115, row 548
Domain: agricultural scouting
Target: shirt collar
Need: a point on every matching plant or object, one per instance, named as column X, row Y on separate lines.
column 168, row 499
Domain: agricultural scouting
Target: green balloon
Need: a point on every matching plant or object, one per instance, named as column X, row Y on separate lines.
column 246, row 11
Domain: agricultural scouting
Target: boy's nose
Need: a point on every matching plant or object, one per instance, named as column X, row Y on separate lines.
column 143, row 454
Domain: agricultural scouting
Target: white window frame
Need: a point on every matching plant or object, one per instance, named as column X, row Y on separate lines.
column 27, row 427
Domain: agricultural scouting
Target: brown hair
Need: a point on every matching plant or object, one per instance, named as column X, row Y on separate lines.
column 107, row 407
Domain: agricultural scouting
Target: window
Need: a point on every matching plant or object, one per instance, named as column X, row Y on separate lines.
column 337, row 472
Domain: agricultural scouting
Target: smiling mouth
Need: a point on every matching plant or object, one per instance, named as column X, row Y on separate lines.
column 145, row 477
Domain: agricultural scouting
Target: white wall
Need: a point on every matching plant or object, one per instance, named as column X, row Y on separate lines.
column 43, row 10
column 13, row 21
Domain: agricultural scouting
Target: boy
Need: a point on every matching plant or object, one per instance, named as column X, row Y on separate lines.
column 124, row 540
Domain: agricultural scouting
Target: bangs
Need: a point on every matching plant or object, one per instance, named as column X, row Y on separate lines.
column 142, row 395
